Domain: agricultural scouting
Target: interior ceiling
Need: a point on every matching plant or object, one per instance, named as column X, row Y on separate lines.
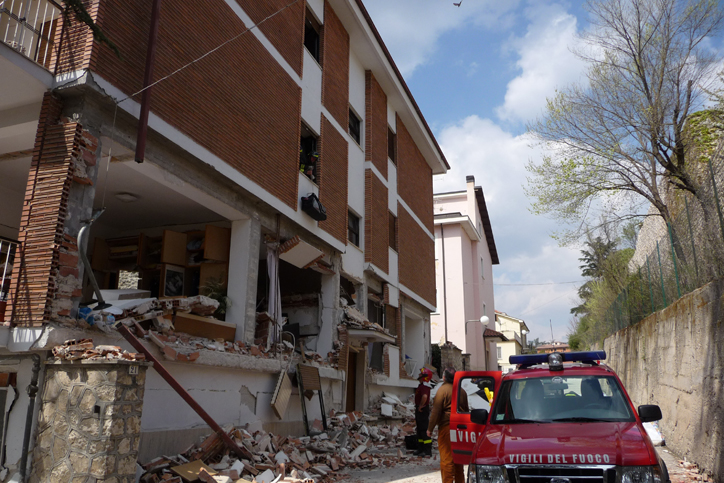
column 14, row 175
column 19, row 88
column 157, row 205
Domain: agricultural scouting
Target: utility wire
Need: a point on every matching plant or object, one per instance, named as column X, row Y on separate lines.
column 534, row 284
column 209, row 52
column 543, row 305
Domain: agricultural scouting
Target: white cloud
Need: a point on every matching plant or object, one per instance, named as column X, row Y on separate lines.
column 545, row 62
column 497, row 159
column 411, row 28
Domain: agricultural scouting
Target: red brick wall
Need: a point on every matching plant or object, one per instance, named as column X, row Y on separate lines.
column 335, row 74
column 44, row 248
column 333, row 180
column 375, row 124
column 282, row 28
column 75, row 41
column 238, row 102
column 416, row 257
column 414, row 176
column 376, row 221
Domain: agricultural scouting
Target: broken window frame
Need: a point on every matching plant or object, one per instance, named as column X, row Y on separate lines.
column 392, row 145
column 355, row 127
column 313, row 36
column 353, row 222
column 392, row 226
column 308, row 144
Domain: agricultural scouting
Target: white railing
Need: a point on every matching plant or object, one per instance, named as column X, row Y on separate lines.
column 29, row 26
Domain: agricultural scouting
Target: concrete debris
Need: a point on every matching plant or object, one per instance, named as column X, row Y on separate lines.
column 83, row 349
column 353, row 440
column 354, row 319
column 687, row 472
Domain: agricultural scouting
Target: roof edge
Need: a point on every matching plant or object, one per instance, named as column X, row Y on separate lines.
column 378, row 37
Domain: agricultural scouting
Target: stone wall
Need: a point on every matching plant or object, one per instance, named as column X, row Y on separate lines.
column 89, row 422
column 674, row 358
column 451, row 356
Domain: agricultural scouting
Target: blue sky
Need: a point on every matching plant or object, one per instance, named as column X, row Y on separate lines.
column 479, row 72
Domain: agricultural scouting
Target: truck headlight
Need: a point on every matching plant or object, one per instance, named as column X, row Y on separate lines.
column 488, row 474
column 640, row 474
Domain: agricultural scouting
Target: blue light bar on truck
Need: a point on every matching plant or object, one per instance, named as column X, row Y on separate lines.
column 532, row 359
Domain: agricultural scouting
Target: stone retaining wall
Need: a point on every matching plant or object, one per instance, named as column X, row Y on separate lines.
column 89, row 423
column 674, row 358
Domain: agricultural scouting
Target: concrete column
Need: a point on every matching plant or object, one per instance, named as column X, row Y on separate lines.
column 243, row 275
column 330, row 307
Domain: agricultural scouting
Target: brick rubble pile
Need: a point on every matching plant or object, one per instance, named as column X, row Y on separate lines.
column 73, row 350
column 352, row 440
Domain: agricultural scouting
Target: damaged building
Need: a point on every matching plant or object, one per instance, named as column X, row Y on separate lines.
column 278, row 165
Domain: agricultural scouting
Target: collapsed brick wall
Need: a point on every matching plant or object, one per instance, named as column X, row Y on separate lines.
column 48, row 277
column 335, row 72
column 376, row 222
column 414, row 176
column 416, row 257
column 375, row 124
column 89, row 423
column 332, row 178
column 238, row 103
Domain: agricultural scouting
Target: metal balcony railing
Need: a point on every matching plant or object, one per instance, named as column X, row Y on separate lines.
column 7, row 259
column 29, row 27
column 8, row 249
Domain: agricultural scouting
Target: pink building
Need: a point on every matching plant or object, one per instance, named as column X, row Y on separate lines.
column 464, row 257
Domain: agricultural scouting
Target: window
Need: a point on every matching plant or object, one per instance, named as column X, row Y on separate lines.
column 311, row 35
column 355, row 127
column 561, row 399
column 482, row 269
column 500, row 352
column 393, row 231
column 353, row 228
column 474, row 389
column 391, row 145
column 308, row 155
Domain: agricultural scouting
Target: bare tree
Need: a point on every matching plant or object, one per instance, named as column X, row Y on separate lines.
column 619, row 135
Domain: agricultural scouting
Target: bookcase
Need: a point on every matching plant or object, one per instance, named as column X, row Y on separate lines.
column 173, row 264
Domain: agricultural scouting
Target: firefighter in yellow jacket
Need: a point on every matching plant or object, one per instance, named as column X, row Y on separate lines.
column 451, row 473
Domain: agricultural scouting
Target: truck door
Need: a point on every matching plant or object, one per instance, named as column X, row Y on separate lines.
column 463, row 433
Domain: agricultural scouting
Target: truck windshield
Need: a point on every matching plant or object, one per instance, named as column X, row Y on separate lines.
column 561, row 399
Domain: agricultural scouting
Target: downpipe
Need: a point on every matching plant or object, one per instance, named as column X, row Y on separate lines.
column 82, row 245
column 32, row 393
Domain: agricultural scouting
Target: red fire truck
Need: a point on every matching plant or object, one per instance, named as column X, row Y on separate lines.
column 558, row 418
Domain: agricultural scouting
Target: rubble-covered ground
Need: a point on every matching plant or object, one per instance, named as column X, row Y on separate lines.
column 352, row 442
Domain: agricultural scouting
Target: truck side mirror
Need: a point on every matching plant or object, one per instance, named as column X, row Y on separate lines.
column 479, row 416
column 649, row 412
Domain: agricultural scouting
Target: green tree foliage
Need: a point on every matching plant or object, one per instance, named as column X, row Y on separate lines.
column 615, row 138
column 605, row 265
column 82, row 15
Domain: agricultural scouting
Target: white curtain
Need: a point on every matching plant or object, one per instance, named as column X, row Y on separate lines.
column 275, row 296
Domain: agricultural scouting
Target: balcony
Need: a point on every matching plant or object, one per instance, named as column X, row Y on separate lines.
column 29, row 27
column 7, row 260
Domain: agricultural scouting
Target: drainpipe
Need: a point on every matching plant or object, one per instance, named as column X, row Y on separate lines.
column 82, row 243
column 32, row 392
column 444, row 280
column 147, row 79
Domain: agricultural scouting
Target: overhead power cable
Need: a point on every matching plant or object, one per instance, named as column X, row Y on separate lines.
column 534, row 284
column 210, row 51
